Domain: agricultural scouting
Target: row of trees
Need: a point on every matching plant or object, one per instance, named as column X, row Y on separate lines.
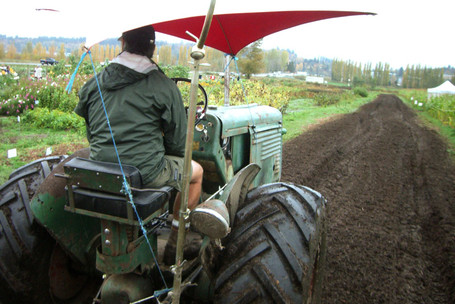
column 382, row 75
column 30, row 52
column 252, row 60
column 422, row 77
column 36, row 52
column 272, row 61
column 353, row 72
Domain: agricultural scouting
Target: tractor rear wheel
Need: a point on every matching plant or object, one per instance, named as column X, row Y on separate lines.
column 276, row 250
column 28, row 255
column 19, row 235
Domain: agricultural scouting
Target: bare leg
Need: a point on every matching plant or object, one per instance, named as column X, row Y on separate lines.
column 195, row 187
column 194, row 191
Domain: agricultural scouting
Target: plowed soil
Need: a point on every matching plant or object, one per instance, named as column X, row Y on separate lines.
column 390, row 186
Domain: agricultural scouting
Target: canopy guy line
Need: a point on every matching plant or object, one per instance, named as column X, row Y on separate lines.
column 126, row 187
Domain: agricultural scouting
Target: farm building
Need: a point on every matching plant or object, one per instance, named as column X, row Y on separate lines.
column 445, row 88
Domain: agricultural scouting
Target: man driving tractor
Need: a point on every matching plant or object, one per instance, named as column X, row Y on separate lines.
column 148, row 122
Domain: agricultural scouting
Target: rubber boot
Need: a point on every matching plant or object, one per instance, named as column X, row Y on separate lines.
column 190, row 249
column 171, row 248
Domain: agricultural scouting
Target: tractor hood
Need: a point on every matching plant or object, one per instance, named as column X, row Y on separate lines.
column 238, row 120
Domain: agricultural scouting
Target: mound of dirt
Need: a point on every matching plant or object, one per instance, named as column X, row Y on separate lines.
column 390, row 186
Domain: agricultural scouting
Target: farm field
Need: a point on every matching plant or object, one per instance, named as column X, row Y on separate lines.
column 388, row 178
column 36, row 115
column 390, row 185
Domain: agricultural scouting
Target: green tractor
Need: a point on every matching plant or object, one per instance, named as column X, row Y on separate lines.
column 74, row 230
column 69, row 235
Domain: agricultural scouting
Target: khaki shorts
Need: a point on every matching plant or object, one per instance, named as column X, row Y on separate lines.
column 171, row 175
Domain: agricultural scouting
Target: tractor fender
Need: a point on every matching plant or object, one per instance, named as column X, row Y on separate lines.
column 214, row 217
column 236, row 190
column 72, row 231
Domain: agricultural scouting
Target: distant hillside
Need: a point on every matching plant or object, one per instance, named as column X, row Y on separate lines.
column 314, row 66
column 71, row 44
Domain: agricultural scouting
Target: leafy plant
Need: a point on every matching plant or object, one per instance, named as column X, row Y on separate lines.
column 361, row 91
column 442, row 108
column 54, row 97
column 54, row 119
column 16, row 105
column 16, row 96
column 248, row 92
column 326, row 99
column 177, row 71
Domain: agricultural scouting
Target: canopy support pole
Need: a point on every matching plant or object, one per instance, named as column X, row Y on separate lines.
column 227, row 81
column 197, row 54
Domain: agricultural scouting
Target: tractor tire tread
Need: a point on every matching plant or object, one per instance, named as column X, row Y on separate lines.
column 19, row 235
column 270, row 252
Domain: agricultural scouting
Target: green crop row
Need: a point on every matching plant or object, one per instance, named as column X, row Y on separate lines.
column 442, row 108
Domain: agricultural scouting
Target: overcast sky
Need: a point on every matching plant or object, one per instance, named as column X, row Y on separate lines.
column 403, row 31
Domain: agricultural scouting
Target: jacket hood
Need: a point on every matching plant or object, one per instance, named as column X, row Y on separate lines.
column 117, row 76
column 125, row 69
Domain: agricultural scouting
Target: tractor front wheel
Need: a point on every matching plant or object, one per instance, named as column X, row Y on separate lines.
column 276, row 250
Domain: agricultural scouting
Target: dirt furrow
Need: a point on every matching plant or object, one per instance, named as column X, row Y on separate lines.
column 390, row 185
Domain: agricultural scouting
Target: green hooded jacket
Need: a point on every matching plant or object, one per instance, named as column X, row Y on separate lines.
column 146, row 114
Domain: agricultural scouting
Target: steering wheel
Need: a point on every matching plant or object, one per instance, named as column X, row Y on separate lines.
column 184, row 85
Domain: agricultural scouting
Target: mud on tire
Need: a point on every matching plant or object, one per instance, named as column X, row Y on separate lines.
column 276, row 250
column 21, row 240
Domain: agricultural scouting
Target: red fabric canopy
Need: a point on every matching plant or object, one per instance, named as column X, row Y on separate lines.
column 230, row 33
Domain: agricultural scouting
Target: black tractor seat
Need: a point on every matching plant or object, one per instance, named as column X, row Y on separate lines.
column 96, row 189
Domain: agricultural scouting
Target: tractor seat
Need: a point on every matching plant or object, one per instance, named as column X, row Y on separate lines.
column 96, row 188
